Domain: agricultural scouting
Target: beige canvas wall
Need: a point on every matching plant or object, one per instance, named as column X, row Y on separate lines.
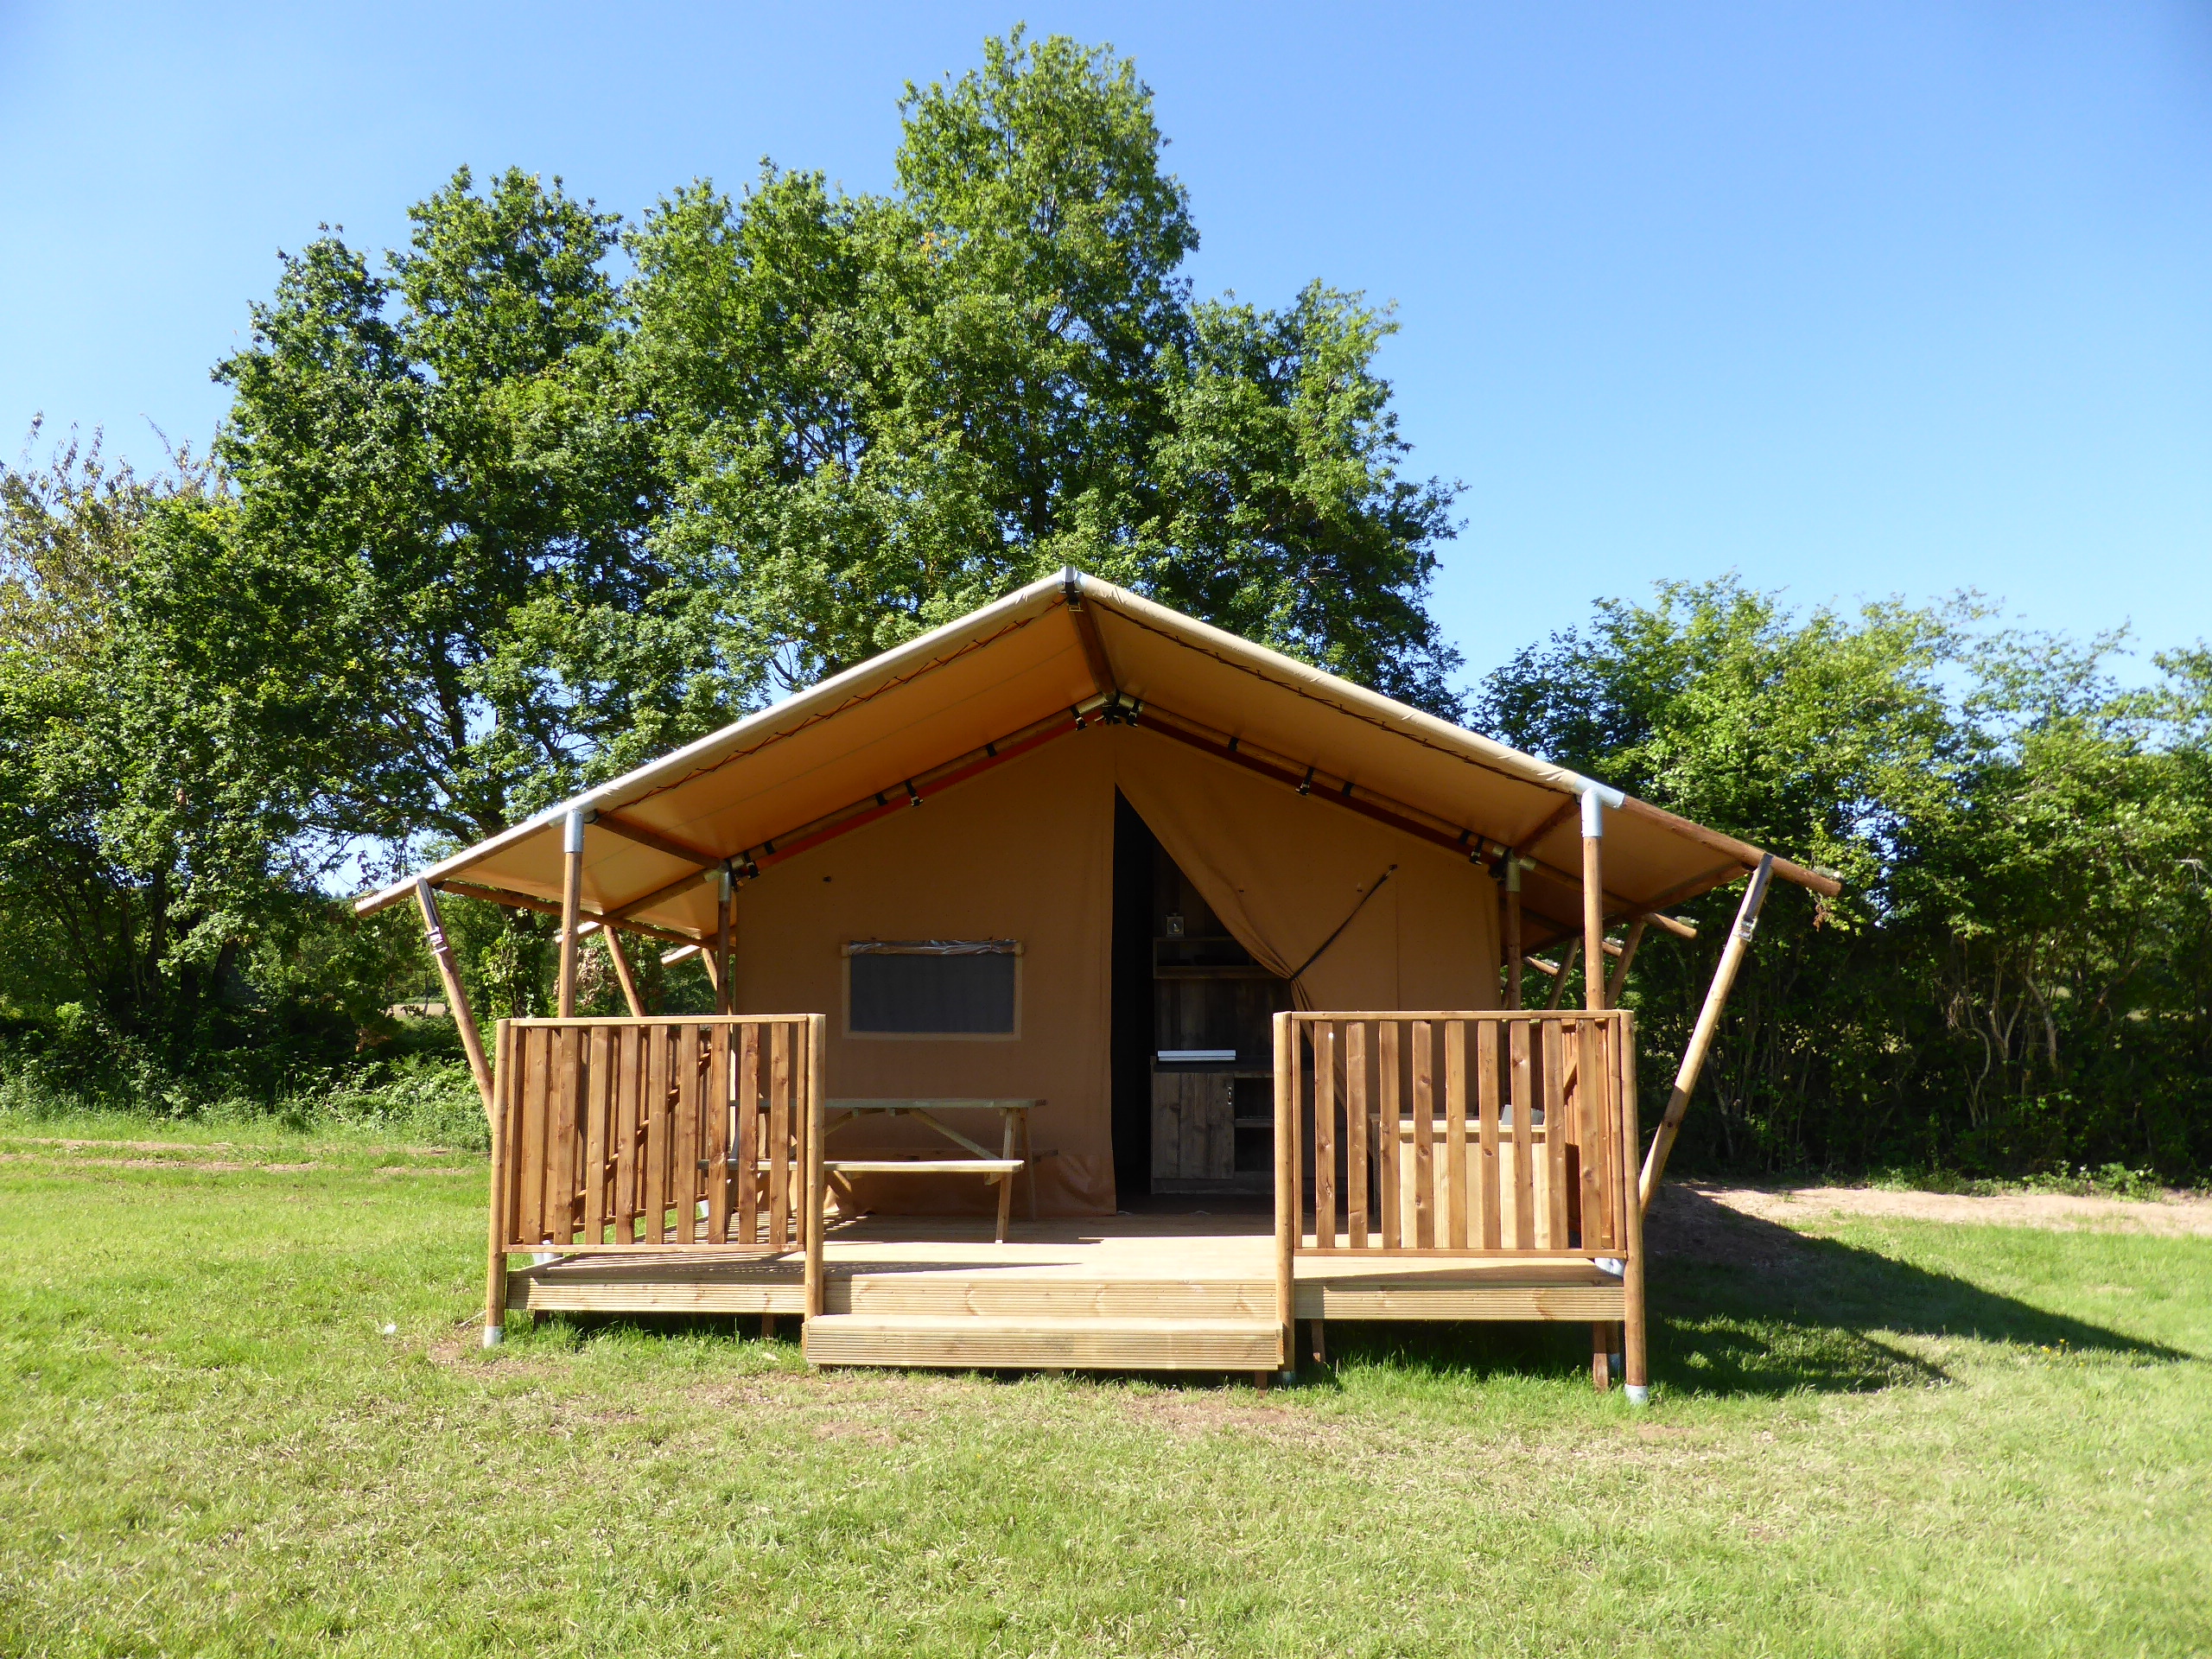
column 1025, row 852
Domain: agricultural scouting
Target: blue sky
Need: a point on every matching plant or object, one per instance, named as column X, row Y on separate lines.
column 1856, row 301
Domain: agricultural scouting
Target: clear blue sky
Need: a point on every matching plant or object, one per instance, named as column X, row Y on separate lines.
column 1854, row 299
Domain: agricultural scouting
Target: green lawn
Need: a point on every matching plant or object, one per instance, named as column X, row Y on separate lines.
column 1866, row 1437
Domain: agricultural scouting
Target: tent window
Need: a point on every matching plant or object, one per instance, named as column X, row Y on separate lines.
column 932, row 987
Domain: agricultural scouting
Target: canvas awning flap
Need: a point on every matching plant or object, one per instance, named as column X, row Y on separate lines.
column 1017, row 671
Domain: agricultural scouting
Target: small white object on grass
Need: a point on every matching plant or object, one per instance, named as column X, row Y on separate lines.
column 391, row 1329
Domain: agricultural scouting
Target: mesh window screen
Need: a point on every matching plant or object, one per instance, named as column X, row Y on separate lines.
column 896, row 994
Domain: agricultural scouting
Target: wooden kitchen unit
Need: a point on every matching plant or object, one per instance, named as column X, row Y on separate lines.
column 1213, row 1052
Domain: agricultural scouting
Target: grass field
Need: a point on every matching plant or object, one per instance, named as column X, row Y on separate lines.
column 240, row 1413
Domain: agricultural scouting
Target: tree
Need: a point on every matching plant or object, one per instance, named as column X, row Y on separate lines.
column 443, row 513
column 151, row 847
column 1826, row 737
column 877, row 413
column 2019, row 973
column 2072, row 909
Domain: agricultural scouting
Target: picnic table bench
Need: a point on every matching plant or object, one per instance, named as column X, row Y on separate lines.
column 1014, row 1116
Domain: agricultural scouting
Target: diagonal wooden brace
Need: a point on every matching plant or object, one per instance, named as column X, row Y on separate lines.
column 472, row 1040
column 1708, row 1021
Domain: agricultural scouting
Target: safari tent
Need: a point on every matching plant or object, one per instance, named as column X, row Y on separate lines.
column 1095, row 988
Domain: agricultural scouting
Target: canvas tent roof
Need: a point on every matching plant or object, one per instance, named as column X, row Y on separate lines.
column 977, row 692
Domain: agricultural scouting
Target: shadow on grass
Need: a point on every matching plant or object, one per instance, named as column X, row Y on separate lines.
column 1743, row 1307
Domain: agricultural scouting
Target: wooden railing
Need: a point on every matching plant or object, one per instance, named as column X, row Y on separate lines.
column 1455, row 1133
column 1471, row 1135
column 689, row 1133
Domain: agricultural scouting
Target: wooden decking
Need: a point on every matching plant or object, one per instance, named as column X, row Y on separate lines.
column 1136, row 1293
column 1463, row 1165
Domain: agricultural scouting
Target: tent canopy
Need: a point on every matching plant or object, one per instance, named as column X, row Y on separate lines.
column 969, row 695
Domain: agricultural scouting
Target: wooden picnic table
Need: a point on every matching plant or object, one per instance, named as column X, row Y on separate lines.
column 1014, row 1116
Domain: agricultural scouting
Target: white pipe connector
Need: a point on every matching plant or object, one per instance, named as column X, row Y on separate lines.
column 495, row 1335
column 1593, row 814
column 1605, row 792
column 574, row 840
column 1638, row 1394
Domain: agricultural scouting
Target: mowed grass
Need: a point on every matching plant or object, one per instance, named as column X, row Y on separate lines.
column 1867, row 1437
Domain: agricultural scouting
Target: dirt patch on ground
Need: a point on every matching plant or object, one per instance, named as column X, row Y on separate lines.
column 121, row 1145
column 1755, row 1226
column 208, row 1157
column 216, row 1166
column 1189, row 1413
column 2173, row 1216
column 1689, row 1224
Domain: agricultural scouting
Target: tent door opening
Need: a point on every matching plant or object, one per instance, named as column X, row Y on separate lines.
column 1206, row 1086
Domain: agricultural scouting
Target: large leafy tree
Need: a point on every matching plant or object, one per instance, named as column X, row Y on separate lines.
column 2069, row 907
column 2020, row 971
column 1826, row 737
column 443, row 513
column 154, row 853
column 878, row 412
column 503, row 522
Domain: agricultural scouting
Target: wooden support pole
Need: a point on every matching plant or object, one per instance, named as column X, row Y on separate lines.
column 1708, row 1021
column 464, row 1018
column 1593, row 901
column 1614, row 985
column 623, row 972
column 1513, row 952
column 1286, row 1205
column 1635, row 1364
column 725, row 928
column 572, row 904
column 495, row 1256
column 810, row 1224
column 1566, row 967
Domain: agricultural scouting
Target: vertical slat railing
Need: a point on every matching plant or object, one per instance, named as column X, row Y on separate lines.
column 815, row 1197
column 1527, row 1106
column 654, row 1134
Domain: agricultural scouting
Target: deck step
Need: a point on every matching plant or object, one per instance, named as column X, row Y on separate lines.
column 959, row 1341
